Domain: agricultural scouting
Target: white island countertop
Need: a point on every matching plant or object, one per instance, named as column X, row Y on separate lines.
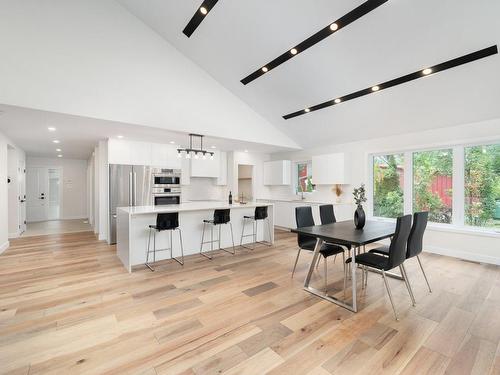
column 189, row 206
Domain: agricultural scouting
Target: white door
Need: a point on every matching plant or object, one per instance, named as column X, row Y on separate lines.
column 37, row 187
column 22, row 195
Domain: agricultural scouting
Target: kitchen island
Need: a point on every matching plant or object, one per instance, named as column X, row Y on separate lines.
column 133, row 229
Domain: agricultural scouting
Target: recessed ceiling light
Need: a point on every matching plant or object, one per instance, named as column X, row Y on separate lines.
column 334, row 26
column 172, row 142
column 264, row 69
column 59, row 156
column 58, row 150
column 293, row 51
column 213, row 147
column 375, row 88
column 246, row 150
column 51, row 129
column 427, row 71
column 203, row 10
column 337, row 101
column 307, row 110
column 119, row 136
column 56, row 141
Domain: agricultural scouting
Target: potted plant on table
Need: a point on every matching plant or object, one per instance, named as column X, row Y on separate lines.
column 359, row 214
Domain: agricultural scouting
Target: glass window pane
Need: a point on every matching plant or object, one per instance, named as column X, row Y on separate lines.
column 482, row 186
column 304, row 177
column 388, row 185
column 432, row 184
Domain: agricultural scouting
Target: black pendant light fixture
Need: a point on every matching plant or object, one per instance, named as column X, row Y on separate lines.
column 194, row 152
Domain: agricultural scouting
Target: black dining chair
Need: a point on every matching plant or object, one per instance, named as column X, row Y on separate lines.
column 395, row 258
column 415, row 241
column 304, row 218
column 327, row 216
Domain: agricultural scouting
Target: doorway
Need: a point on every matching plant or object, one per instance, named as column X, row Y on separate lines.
column 245, row 182
column 43, row 194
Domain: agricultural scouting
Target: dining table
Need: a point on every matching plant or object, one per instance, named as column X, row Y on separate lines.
column 344, row 233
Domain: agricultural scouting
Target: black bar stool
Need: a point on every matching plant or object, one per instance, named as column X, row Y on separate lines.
column 222, row 216
column 260, row 214
column 165, row 222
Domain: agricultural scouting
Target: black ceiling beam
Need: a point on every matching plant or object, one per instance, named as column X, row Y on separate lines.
column 325, row 32
column 199, row 16
column 493, row 50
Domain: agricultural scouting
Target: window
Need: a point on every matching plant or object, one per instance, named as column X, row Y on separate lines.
column 388, row 185
column 482, row 186
column 432, row 184
column 304, row 177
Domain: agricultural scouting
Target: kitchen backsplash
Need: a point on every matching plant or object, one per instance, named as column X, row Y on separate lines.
column 202, row 188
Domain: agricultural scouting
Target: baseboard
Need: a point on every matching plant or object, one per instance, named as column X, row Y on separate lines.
column 475, row 257
column 4, row 247
column 14, row 235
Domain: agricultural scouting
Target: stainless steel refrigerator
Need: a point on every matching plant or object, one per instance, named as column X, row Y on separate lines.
column 129, row 185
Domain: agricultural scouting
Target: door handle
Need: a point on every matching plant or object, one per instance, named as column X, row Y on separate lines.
column 135, row 189
column 22, row 201
column 130, row 189
column 114, row 216
column 42, row 197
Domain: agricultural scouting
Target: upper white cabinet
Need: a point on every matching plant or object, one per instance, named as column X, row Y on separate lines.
column 277, row 172
column 163, row 155
column 222, row 177
column 142, row 153
column 330, row 169
column 205, row 167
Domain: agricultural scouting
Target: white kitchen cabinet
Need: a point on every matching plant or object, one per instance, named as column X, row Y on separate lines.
column 129, row 152
column 165, row 156
column 330, row 169
column 222, row 177
column 185, row 171
column 277, row 172
column 205, row 167
column 284, row 212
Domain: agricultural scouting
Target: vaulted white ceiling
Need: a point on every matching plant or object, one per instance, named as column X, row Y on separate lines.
column 399, row 37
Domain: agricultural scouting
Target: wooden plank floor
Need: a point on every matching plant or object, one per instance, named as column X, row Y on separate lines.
column 67, row 306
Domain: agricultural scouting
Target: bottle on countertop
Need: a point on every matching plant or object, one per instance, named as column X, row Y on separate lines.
column 230, row 198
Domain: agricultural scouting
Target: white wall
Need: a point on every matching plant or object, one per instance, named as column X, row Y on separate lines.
column 93, row 58
column 74, row 184
column 202, row 188
column 458, row 243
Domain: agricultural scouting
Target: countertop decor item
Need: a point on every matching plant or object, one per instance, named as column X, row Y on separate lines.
column 338, row 192
column 359, row 214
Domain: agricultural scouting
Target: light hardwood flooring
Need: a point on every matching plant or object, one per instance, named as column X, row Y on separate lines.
column 41, row 228
column 67, row 306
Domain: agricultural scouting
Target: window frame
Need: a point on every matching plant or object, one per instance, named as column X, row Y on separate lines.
column 296, row 176
column 457, row 224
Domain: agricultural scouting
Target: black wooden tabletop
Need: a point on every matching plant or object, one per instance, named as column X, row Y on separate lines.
column 345, row 231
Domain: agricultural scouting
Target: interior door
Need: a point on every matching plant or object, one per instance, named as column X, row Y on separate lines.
column 37, row 187
column 22, row 195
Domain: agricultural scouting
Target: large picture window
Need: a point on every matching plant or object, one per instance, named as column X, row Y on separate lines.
column 388, row 185
column 432, row 184
column 304, row 177
column 482, row 186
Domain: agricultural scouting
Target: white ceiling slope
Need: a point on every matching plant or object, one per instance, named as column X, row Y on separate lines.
column 397, row 38
column 93, row 58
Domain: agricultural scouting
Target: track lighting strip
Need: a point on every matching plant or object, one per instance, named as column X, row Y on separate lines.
column 343, row 21
column 493, row 50
column 199, row 16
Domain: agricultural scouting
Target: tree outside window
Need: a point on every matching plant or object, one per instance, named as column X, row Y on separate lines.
column 388, row 185
column 432, row 184
column 482, row 186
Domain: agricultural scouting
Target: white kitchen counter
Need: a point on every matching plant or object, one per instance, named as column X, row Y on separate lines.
column 189, row 206
column 133, row 229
